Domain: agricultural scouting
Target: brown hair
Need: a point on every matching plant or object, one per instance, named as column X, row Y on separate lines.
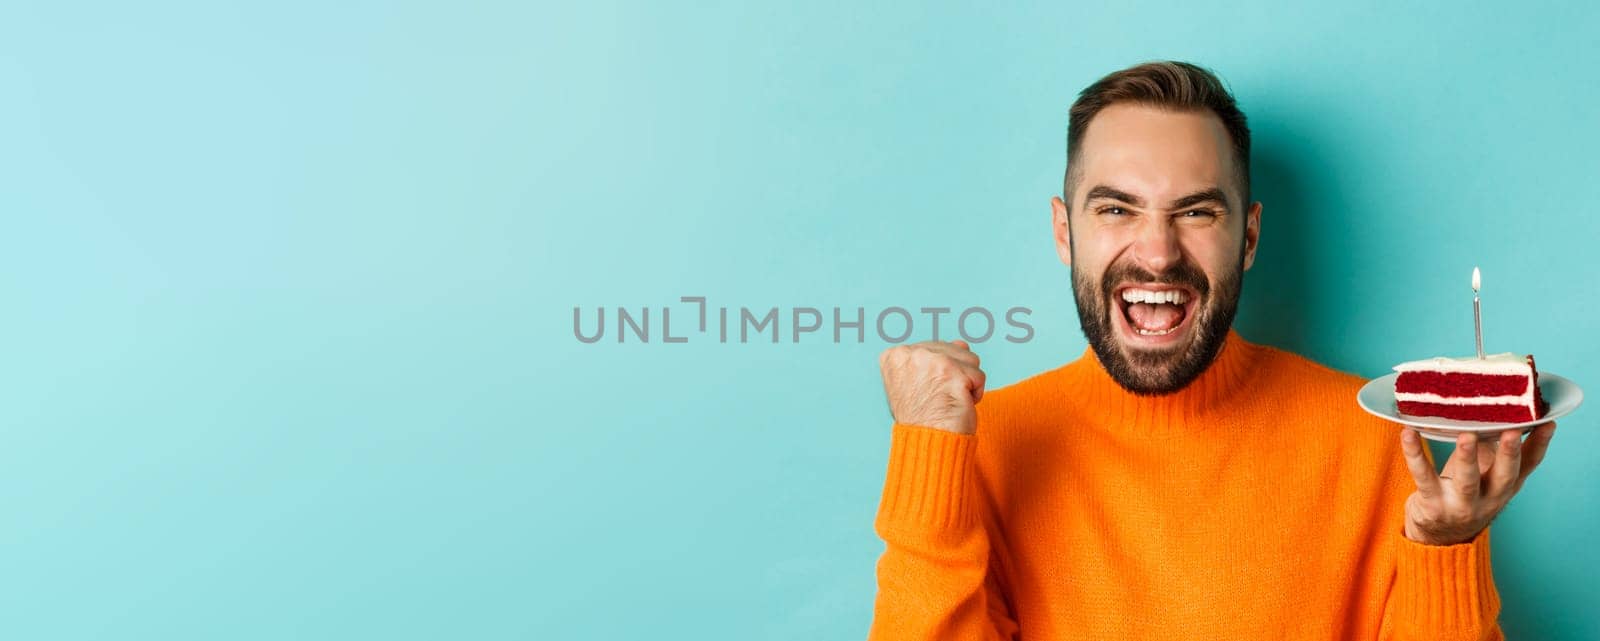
column 1178, row 86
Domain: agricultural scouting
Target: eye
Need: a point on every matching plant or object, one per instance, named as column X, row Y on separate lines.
column 1198, row 213
column 1113, row 211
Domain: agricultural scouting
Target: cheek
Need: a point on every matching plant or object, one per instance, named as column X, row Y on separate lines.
column 1216, row 253
column 1101, row 247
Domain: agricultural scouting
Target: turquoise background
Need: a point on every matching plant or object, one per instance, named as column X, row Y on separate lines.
column 288, row 287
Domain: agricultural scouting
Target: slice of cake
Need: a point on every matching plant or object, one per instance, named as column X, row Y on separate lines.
column 1502, row 388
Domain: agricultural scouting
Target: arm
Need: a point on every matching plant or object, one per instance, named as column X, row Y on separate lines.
column 1444, row 585
column 934, row 578
column 1442, row 592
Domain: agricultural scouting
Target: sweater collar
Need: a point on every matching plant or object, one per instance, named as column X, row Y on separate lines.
column 1221, row 382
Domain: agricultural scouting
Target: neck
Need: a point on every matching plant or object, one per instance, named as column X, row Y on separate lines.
column 1186, row 408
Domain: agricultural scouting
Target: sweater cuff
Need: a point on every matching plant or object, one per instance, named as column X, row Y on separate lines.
column 928, row 486
column 1445, row 589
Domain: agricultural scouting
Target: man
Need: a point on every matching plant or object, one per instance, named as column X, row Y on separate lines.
column 1176, row 481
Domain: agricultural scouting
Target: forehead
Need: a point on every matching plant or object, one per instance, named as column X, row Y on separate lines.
column 1155, row 152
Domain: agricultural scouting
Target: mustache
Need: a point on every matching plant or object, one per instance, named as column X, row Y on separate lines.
column 1184, row 273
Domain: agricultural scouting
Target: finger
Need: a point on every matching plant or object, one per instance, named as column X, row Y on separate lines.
column 957, row 350
column 1506, row 463
column 972, row 381
column 1534, row 449
column 1421, row 470
column 1462, row 468
column 1488, row 450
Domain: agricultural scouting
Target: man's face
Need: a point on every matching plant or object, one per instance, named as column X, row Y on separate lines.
column 1158, row 239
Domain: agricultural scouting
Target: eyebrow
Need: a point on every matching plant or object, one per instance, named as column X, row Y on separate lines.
column 1214, row 194
column 1102, row 191
column 1209, row 195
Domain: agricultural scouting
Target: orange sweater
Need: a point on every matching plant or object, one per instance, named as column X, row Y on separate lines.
column 1258, row 503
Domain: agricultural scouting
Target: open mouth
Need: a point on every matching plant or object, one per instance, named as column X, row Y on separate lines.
column 1155, row 313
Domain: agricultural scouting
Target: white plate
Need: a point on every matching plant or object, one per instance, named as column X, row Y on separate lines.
column 1377, row 398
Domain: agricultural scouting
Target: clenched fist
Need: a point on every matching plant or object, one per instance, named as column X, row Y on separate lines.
column 933, row 384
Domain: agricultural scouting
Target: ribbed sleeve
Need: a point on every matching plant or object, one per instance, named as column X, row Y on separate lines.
column 928, row 486
column 934, row 581
column 1446, row 591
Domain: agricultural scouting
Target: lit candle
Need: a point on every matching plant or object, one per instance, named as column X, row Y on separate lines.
column 1477, row 317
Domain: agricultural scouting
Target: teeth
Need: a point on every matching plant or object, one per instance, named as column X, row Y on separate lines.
column 1150, row 332
column 1172, row 296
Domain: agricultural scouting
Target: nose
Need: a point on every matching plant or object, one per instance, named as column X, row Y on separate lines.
column 1156, row 247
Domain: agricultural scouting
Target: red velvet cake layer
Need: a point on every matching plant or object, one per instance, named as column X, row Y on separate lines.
column 1457, row 384
column 1538, row 397
column 1489, row 413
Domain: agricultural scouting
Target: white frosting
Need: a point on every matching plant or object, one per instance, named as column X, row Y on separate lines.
column 1525, row 400
column 1495, row 364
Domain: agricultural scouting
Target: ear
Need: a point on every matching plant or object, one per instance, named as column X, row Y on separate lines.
column 1252, row 234
column 1063, row 232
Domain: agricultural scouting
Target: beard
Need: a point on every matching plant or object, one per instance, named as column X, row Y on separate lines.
column 1150, row 372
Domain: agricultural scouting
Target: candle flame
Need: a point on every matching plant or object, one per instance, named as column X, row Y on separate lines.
column 1477, row 280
